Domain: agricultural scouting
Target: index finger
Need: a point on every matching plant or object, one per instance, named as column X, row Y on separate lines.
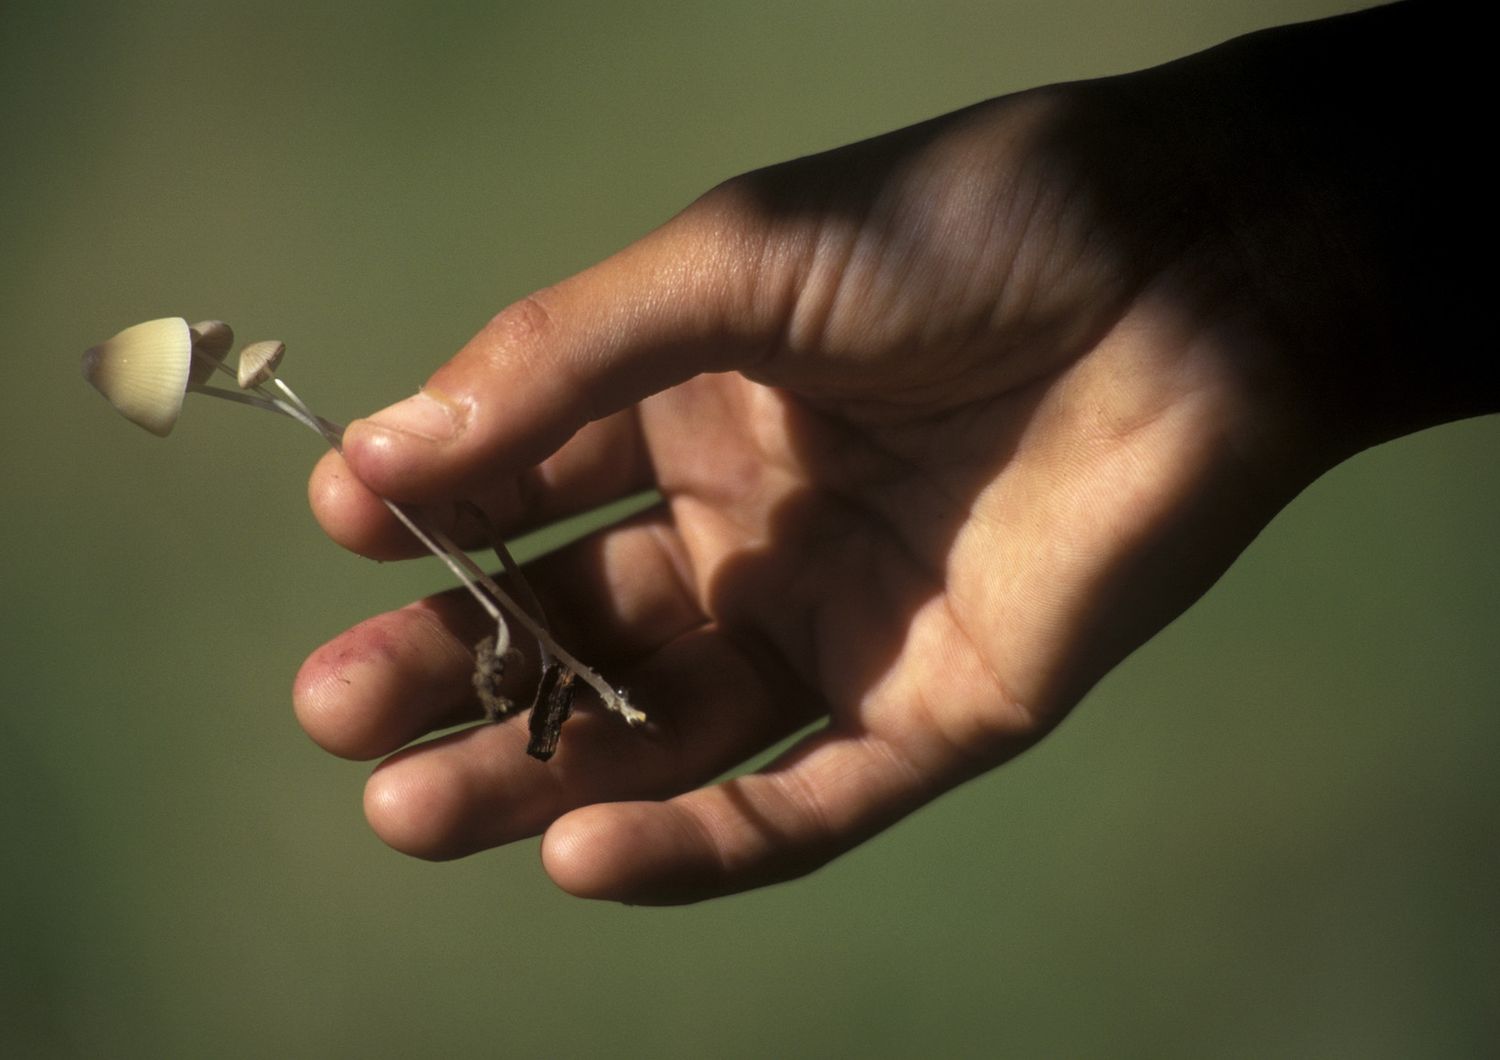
column 680, row 302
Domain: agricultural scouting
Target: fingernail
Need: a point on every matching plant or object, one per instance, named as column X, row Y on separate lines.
column 424, row 415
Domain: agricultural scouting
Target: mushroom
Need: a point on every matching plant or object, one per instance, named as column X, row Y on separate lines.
column 143, row 372
column 258, row 362
column 211, row 342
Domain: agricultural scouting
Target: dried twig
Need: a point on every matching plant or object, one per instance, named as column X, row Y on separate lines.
column 554, row 702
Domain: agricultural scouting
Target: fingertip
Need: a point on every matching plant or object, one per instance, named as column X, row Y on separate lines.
column 393, row 677
column 576, row 853
column 353, row 515
column 413, row 811
column 337, row 695
column 633, row 852
column 341, row 503
column 316, row 694
column 324, row 485
column 454, row 796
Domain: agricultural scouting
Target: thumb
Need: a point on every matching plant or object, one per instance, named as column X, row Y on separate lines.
column 680, row 302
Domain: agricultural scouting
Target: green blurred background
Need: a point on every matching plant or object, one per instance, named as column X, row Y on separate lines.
column 1273, row 831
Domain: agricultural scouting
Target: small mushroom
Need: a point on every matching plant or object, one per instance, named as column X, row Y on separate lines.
column 212, row 340
column 143, row 372
column 258, row 362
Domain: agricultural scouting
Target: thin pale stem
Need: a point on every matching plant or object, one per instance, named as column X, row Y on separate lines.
column 332, row 432
column 235, row 395
column 456, row 561
column 518, row 580
column 611, row 697
column 295, row 408
column 440, row 545
column 512, row 569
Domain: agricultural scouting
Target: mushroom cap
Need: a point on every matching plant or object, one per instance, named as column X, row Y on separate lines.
column 258, row 362
column 211, row 342
column 143, row 372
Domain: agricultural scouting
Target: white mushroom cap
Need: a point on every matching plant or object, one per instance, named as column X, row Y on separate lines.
column 258, row 361
column 143, row 371
column 211, row 342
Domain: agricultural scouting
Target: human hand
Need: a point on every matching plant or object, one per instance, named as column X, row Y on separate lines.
column 945, row 423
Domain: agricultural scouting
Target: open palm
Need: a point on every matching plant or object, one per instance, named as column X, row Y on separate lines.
column 946, row 424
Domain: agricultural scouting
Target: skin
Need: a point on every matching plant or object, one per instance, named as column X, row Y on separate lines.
column 946, row 424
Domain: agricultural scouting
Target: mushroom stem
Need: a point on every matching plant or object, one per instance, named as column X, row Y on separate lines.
column 295, row 408
column 236, row 396
column 480, row 585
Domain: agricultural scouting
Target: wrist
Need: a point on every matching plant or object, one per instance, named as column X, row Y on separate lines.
column 1348, row 208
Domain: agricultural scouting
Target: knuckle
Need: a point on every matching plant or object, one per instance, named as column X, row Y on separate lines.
column 522, row 322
